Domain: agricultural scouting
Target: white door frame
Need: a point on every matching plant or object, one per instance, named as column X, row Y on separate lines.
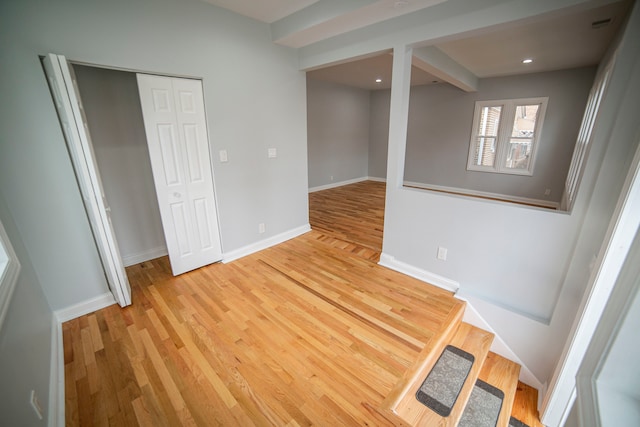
column 78, row 141
column 618, row 240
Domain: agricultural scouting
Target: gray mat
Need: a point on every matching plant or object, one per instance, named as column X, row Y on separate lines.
column 441, row 388
column 483, row 407
column 514, row 422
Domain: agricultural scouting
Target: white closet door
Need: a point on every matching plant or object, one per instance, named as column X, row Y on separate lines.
column 76, row 133
column 175, row 124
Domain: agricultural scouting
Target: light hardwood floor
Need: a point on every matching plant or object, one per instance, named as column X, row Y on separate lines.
column 353, row 213
column 310, row 332
column 305, row 333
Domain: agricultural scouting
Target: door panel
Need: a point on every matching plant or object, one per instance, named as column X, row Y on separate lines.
column 173, row 111
column 76, row 132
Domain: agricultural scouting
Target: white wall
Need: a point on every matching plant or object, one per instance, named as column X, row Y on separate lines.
column 337, row 132
column 114, row 115
column 378, row 133
column 254, row 95
column 25, row 340
column 439, row 131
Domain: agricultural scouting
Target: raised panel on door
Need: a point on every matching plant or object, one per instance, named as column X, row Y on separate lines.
column 173, row 111
column 67, row 102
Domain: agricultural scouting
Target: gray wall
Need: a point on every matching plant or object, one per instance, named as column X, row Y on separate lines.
column 114, row 115
column 337, row 132
column 255, row 98
column 439, row 130
column 25, row 340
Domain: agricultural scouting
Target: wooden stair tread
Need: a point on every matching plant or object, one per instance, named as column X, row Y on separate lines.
column 525, row 405
column 425, row 361
column 503, row 374
column 468, row 338
column 385, row 417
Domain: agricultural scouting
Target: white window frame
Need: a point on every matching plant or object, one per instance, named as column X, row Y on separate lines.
column 507, row 116
column 9, row 270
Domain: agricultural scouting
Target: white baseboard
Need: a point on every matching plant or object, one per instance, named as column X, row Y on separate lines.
column 426, row 276
column 337, row 184
column 498, row 346
column 485, row 194
column 139, row 257
column 56, row 376
column 347, row 182
column 264, row 244
column 84, row 307
column 375, row 178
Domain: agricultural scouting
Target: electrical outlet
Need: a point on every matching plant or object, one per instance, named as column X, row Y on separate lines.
column 272, row 153
column 331, row 177
column 261, row 228
column 547, row 192
column 35, row 404
column 442, row 253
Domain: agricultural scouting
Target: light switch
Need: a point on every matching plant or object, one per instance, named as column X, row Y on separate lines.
column 223, row 156
column 272, row 153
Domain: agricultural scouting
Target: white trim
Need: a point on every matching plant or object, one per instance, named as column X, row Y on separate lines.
column 622, row 229
column 503, row 134
column 468, row 192
column 499, row 346
column 418, row 273
column 84, row 307
column 8, row 274
column 337, row 184
column 376, row 179
column 139, row 257
column 264, row 244
column 56, row 376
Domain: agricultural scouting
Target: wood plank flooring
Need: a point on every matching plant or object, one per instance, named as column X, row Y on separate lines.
column 305, row 333
column 353, row 213
column 310, row 332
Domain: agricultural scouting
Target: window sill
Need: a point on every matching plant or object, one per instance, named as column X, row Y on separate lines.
column 545, row 204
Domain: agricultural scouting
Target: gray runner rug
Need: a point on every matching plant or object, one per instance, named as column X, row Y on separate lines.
column 514, row 422
column 483, row 407
column 440, row 390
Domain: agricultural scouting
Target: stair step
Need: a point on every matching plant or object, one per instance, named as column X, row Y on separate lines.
column 385, row 417
column 503, row 374
column 468, row 338
column 525, row 405
column 425, row 361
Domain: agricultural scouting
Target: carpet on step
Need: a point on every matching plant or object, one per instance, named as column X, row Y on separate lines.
column 483, row 407
column 441, row 388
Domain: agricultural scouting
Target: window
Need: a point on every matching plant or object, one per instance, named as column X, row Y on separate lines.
column 9, row 269
column 505, row 135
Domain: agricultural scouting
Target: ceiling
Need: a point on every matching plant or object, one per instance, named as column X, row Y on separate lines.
column 562, row 41
column 264, row 10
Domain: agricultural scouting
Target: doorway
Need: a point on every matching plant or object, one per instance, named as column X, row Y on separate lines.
column 112, row 134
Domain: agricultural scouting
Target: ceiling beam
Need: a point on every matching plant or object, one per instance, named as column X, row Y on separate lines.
column 436, row 62
column 328, row 18
column 437, row 24
column 304, row 23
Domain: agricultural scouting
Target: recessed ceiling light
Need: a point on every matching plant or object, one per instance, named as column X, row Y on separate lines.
column 527, row 61
column 378, row 80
